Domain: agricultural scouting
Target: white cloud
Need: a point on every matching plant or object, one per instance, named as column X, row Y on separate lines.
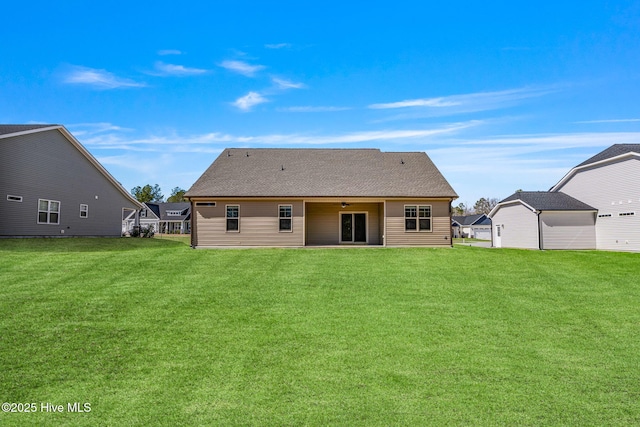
column 101, row 79
column 169, row 52
column 277, row 45
column 241, row 67
column 466, row 103
column 286, row 84
column 249, row 101
column 177, row 70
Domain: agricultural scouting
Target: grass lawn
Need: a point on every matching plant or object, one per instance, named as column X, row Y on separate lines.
column 151, row 332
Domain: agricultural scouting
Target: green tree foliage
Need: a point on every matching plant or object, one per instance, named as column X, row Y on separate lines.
column 177, row 195
column 484, row 206
column 148, row 193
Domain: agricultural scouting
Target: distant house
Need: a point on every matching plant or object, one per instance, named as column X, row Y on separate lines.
column 472, row 226
column 315, row 197
column 172, row 218
column 607, row 185
column 543, row 220
column 50, row 185
column 610, row 182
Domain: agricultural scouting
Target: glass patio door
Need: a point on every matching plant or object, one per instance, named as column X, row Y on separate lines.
column 353, row 228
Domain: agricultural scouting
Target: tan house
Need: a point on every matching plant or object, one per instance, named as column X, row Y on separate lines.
column 320, row 197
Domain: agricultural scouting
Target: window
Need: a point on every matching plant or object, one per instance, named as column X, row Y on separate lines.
column 417, row 218
column 284, row 216
column 207, row 204
column 174, row 213
column 48, row 212
column 604, row 216
column 84, row 211
column 14, row 198
column 626, row 213
column 233, row 218
column 143, row 213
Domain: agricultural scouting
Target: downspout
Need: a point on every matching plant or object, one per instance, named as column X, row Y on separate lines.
column 540, row 235
column 450, row 223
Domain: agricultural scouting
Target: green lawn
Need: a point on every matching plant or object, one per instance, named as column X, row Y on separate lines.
column 151, row 332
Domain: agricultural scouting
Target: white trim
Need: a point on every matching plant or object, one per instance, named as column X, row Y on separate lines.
column 227, row 218
column 27, row 132
column 12, row 198
column 577, row 169
column 290, row 230
column 418, row 206
column 49, row 211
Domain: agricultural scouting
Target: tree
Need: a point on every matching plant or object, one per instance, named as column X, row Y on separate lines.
column 147, row 193
column 177, row 195
column 459, row 210
column 484, row 206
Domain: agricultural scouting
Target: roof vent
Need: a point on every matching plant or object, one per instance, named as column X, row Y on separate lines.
column 282, row 167
column 247, row 155
column 228, row 153
column 402, row 161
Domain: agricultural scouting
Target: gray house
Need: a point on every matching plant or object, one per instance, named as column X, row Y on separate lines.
column 315, row 197
column 50, row 185
column 607, row 215
column 171, row 218
column 543, row 220
column 476, row 226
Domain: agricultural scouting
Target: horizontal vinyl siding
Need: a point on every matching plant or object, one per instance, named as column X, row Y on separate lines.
column 519, row 227
column 323, row 222
column 259, row 224
column 568, row 230
column 45, row 165
column 612, row 189
column 440, row 234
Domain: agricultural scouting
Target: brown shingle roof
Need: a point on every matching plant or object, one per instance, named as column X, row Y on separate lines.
column 268, row 172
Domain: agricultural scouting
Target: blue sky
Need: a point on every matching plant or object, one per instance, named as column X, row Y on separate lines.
column 502, row 96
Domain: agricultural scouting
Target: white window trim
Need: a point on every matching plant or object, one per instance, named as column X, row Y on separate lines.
column 12, row 198
column 85, row 210
column 417, row 230
column 226, row 218
column 49, row 211
column 289, row 218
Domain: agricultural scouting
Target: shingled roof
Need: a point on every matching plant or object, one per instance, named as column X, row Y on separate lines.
column 9, row 129
column 549, row 201
column 269, row 172
column 613, row 151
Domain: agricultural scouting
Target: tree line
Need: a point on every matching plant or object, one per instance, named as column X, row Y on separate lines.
column 482, row 206
column 153, row 194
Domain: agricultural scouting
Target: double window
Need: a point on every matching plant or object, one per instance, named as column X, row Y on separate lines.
column 417, row 218
column 285, row 214
column 84, row 211
column 48, row 211
column 233, row 218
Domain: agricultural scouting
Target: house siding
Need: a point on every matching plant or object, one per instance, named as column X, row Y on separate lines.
column 440, row 234
column 612, row 188
column 259, row 224
column 568, row 230
column 519, row 227
column 46, row 165
column 323, row 222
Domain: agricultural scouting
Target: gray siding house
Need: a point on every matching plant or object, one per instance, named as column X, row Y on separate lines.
column 608, row 183
column 543, row 220
column 171, row 218
column 315, row 197
column 50, row 185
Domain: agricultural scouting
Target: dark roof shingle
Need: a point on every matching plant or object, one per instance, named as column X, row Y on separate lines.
column 270, row 172
column 9, row 129
column 549, row 201
column 613, row 151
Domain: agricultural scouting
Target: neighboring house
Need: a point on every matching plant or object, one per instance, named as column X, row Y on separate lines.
column 543, row 220
column 311, row 197
column 472, row 226
column 50, row 185
column 608, row 184
column 172, row 218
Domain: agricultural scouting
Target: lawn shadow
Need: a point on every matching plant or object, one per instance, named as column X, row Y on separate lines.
column 87, row 244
